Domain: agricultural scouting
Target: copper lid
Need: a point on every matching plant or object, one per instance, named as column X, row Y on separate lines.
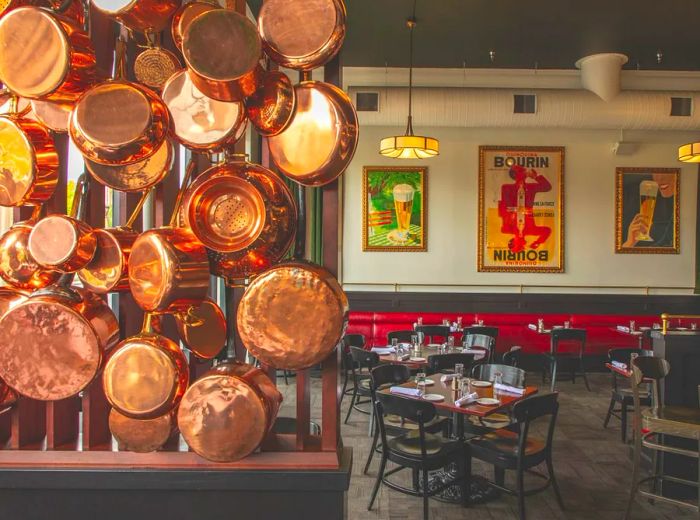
column 17, row 267
column 54, row 116
column 140, row 435
column 136, row 176
column 302, row 34
column 203, row 329
column 184, row 16
column 292, row 316
column 107, row 267
column 34, row 52
column 55, row 239
column 221, row 45
column 200, row 122
column 17, row 163
column 271, row 108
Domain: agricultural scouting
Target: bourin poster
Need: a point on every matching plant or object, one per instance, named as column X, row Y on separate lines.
column 521, row 209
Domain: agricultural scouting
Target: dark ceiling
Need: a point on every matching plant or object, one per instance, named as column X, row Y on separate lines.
column 549, row 34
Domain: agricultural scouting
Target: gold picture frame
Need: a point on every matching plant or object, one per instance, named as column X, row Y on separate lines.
column 380, row 217
column 521, row 195
column 634, row 186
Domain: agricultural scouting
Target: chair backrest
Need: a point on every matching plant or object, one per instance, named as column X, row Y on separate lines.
column 509, row 375
column 532, row 408
column 434, row 331
column 439, row 362
column 402, row 336
column 512, row 357
column 354, row 340
column 623, row 355
column 364, row 358
column 481, row 342
column 491, row 332
column 648, row 369
column 568, row 335
column 414, row 410
column 389, row 375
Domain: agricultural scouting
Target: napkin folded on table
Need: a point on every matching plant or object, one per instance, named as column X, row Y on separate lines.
column 447, row 377
column 620, row 365
column 478, row 353
column 383, row 350
column 532, row 326
column 509, row 389
column 467, row 399
column 410, row 392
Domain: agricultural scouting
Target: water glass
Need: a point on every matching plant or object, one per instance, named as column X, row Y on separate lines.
column 419, row 320
column 394, row 342
column 632, row 325
column 540, row 324
column 498, row 378
column 420, row 378
column 450, row 342
column 459, row 369
column 480, row 323
column 464, row 386
column 459, row 322
column 693, row 326
column 567, row 324
column 446, row 322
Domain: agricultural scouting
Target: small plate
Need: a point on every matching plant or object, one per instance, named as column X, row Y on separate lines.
column 482, row 384
column 436, row 398
column 488, row 401
column 434, row 345
column 427, row 382
column 681, row 328
column 417, row 359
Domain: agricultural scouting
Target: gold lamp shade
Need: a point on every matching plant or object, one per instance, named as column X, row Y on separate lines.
column 689, row 153
column 409, row 147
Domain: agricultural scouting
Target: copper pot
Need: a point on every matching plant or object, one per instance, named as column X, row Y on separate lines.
column 199, row 122
column 203, row 329
column 293, row 315
column 271, row 108
column 142, row 435
column 320, row 141
column 139, row 15
column 147, row 374
column 118, row 122
column 232, row 71
column 45, row 56
column 54, row 116
column 226, row 414
column 29, row 162
column 302, row 34
column 244, row 214
column 183, row 18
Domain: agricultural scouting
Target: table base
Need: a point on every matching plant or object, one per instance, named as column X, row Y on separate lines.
column 481, row 491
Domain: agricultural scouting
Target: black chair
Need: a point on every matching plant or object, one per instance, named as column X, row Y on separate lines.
column 363, row 362
column 481, row 337
column 520, row 451
column 621, row 393
column 558, row 355
column 446, row 362
column 509, row 375
column 430, row 332
column 349, row 340
column 402, row 336
column 513, row 356
column 385, row 376
column 418, row 450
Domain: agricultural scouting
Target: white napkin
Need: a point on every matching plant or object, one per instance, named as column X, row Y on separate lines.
column 509, row 389
column 447, row 377
column 400, row 390
column 618, row 364
column 532, row 326
column 478, row 353
column 404, row 344
column 383, row 350
column 622, row 328
column 467, row 399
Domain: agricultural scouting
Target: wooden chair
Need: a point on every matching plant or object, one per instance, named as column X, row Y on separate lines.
column 557, row 355
column 402, row 336
column 520, row 451
column 510, row 376
column 349, row 340
column 418, row 450
column 481, row 337
column 653, row 429
column 512, row 357
column 430, row 332
column 447, row 362
column 363, row 362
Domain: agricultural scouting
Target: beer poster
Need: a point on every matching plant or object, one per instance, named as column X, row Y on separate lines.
column 393, row 208
column 647, row 210
column 521, row 209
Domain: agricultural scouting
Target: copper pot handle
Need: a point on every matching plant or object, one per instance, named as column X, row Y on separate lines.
column 191, row 166
column 129, row 224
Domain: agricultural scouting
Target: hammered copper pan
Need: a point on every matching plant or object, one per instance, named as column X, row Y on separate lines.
column 302, row 34
column 293, row 315
column 271, row 107
column 320, row 141
column 203, row 329
column 45, row 56
column 139, row 15
column 54, row 116
column 184, row 16
column 142, row 435
column 226, row 414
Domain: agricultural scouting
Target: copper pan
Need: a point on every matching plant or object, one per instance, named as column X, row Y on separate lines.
column 139, row 15
column 271, row 108
column 203, row 329
column 142, row 435
column 146, row 375
column 226, row 414
column 320, row 141
column 183, row 18
column 199, row 122
column 222, row 50
column 302, row 34
column 168, row 267
column 54, row 116
column 14, row 106
column 52, row 344
column 108, row 271
column 293, row 315
column 244, row 214
column 45, row 56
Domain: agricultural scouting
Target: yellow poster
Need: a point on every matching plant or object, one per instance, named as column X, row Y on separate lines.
column 521, row 209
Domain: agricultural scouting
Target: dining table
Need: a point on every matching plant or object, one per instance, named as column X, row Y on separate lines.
column 421, row 361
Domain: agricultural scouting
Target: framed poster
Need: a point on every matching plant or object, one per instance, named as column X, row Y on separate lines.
column 394, row 202
column 521, row 209
column 647, row 210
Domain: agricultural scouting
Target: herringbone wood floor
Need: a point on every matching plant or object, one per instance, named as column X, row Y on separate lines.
column 593, row 467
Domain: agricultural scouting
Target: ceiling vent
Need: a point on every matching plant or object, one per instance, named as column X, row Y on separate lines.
column 524, row 103
column 600, row 73
column 367, row 101
column 681, row 106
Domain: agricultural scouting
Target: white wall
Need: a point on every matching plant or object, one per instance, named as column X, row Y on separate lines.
column 589, row 225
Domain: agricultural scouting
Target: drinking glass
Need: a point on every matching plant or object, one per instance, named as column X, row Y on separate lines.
column 567, row 324
column 632, row 325
column 450, row 342
column 394, row 342
column 693, row 326
column 420, row 320
column 480, row 323
column 497, row 378
column 420, row 378
column 446, row 322
column 464, row 386
column 459, row 321
column 540, row 324
column 459, row 369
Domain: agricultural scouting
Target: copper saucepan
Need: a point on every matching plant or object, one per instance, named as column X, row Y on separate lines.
column 139, row 15
column 142, row 435
column 320, row 141
column 226, row 414
column 302, row 34
column 183, row 18
column 199, row 122
column 293, row 315
column 271, row 107
column 168, row 266
column 222, row 50
column 54, row 116
column 203, row 329
column 244, row 214
column 146, row 375
column 45, row 56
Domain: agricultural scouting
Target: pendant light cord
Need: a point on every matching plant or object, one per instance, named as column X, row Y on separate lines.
column 411, row 24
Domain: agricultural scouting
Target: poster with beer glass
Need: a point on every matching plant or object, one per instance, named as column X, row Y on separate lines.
column 521, row 209
column 647, row 210
column 393, row 208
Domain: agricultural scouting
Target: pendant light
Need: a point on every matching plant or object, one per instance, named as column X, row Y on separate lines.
column 689, row 153
column 410, row 146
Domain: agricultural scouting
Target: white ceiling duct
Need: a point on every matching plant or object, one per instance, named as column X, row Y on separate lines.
column 601, row 74
column 494, row 108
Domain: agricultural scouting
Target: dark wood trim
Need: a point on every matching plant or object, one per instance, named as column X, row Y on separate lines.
column 697, row 237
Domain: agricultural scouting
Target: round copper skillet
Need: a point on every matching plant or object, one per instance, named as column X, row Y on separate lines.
column 142, row 435
column 146, row 375
column 203, row 329
column 45, row 56
column 184, row 16
column 302, row 34
column 293, row 315
column 271, row 108
column 52, row 344
column 222, row 50
column 226, row 414
column 54, row 116
column 320, row 141
column 139, row 15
